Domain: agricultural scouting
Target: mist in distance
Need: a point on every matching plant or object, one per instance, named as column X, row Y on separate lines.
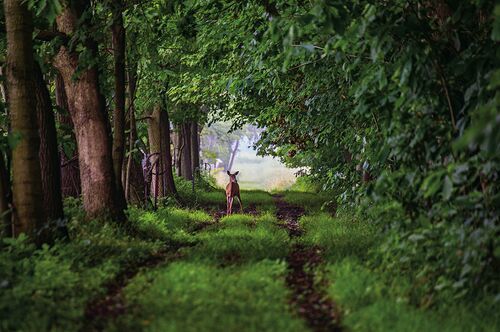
column 222, row 150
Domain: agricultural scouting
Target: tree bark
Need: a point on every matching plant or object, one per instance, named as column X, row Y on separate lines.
column 186, row 163
column 134, row 178
column 27, row 186
column 195, row 148
column 169, row 177
column 5, row 199
column 48, row 154
column 162, row 183
column 118, row 32
column 233, row 155
column 179, row 148
column 70, row 170
column 3, row 88
column 87, row 109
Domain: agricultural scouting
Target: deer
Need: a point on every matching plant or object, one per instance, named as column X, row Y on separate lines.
column 232, row 190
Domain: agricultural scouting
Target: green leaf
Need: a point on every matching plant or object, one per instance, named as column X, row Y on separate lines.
column 447, row 188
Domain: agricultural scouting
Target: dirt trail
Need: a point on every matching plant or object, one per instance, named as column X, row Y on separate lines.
column 111, row 305
column 308, row 295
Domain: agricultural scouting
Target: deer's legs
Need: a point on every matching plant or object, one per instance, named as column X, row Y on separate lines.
column 227, row 204
column 241, row 204
column 231, row 200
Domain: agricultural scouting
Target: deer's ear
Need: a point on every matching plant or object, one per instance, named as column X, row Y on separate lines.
column 228, row 173
column 236, row 173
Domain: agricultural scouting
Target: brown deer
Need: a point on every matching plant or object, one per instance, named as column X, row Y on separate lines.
column 232, row 190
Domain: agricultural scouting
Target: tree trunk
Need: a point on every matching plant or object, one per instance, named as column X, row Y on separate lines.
column 186, row 163
column 119, row 111
column 134, row 179
column 179, row 147
column 233, row 155
column 27, row 186
column 195, row 148
column 70, row 170
column 3, row 88
column 5, row 188
column 169, row 177
column 48, row 154
column 162, row 183
column 5, row 199
column 87, row 109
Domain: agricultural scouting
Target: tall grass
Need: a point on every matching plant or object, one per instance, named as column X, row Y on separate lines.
column 342, row 236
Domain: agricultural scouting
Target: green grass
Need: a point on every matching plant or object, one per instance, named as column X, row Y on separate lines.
column 243, row 238
column 230, row 275
column 371, row 299
column 311, row 202
column 261, row 200
column 342, row 236
column 233, row 279
column 48, row 288
column 171, row 225
column 192, row 296
column 372, row 302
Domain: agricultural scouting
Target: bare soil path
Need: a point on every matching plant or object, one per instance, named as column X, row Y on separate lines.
column 308, row 294
column 112, row 304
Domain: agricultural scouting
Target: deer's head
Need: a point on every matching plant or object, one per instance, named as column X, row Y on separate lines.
column 232, row 177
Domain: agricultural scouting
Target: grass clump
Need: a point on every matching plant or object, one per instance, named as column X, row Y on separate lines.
column 171, row 225
column 193, row 296
column 342, row 236
column 243, row 238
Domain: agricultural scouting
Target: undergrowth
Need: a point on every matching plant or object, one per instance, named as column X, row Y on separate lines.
column 373, row 298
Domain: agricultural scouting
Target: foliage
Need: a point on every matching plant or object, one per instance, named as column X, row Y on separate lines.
column 373, row 297
column 390, row 104
column 48, row 288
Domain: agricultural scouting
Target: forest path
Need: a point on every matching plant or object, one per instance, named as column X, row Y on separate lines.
column 247, row 272
column 309, row 296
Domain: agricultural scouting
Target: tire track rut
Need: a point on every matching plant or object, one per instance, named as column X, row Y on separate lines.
column 309, row 297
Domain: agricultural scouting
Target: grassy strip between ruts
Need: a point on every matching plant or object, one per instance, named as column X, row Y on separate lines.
column 372, row 300
column 232, row 280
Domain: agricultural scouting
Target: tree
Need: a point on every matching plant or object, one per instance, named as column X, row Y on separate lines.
column 48, row 152
column 87, row 109
column 195, row 148
column 134, row 177
column 118, row 32
column 5, row 198
column 68, row 151
column 186, row 167
column 27, row 186
column 159, row 148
